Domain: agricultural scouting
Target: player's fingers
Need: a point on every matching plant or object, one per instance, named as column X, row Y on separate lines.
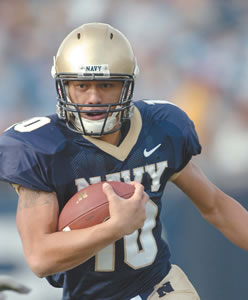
column 139, row 191
column 108, row 190
column 139, row 188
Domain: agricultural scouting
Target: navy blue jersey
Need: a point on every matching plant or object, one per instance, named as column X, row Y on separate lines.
column 43, row 154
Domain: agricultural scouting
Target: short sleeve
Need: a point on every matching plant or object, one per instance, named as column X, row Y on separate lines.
column 19, row 164
column 191, row 145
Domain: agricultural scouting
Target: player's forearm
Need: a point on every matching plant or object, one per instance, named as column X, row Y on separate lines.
column 215, row 206
column 60, row 251
column 46, row 250
column 231, row 219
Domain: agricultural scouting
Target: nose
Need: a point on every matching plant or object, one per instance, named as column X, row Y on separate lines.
column 93, row 96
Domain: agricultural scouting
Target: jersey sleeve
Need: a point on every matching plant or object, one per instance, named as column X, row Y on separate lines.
column 19, row 164
column 177, row 129
column 189, row 147
column 191, row 144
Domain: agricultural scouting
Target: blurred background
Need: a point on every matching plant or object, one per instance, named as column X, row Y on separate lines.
column 193, row 53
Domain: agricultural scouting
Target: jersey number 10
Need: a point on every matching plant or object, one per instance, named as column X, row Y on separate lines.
column 133, row 256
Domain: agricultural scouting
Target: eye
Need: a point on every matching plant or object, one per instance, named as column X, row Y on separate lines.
column 107, row 85
column 81, row 85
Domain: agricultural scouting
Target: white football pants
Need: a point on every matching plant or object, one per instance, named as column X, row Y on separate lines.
column 175, row 286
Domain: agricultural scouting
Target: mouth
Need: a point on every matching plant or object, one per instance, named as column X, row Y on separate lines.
column 94, row 115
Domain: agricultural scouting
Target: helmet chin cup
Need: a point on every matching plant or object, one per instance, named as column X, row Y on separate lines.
column 95, row 127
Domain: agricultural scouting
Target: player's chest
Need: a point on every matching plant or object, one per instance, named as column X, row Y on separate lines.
column 146, row 162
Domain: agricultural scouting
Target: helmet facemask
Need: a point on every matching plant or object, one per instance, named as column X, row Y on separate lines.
column 115, row 113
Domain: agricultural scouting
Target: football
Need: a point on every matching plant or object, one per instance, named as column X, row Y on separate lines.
column 90, row 206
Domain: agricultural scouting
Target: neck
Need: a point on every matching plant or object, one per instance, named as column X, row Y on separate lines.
column 112, row 138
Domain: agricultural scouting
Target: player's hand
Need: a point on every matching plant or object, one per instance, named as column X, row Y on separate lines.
column 7, row 283
column 127, row 215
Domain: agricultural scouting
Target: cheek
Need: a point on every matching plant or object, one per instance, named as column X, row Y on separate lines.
column 75, row 95
column 119, row 92
column 116, row 96
column 70, row 93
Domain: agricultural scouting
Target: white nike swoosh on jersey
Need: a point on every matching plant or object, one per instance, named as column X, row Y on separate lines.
column 148, row 153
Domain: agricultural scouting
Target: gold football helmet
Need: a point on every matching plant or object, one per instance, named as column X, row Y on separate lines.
column 95, row 51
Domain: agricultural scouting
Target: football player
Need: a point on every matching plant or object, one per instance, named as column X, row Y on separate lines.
column 99, row 134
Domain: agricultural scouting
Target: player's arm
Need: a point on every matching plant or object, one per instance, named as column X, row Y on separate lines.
column 218, row 208
column 48, row 251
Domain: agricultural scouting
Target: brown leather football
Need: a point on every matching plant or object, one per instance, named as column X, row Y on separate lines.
column 90, row 206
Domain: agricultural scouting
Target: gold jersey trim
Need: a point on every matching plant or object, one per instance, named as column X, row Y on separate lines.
column 16, row 187
column 121, row 152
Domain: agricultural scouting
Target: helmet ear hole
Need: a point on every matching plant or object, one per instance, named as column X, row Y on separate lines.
column 111, row 35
